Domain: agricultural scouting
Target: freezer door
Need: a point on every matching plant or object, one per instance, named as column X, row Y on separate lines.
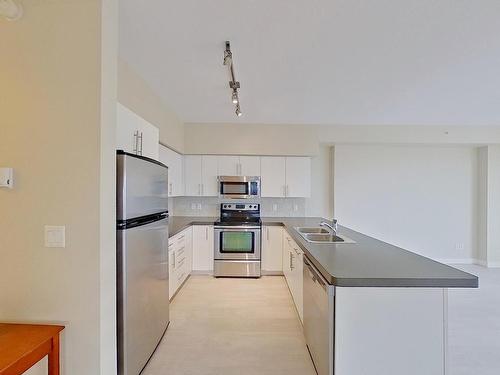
column 141, row 185
column 142, row 287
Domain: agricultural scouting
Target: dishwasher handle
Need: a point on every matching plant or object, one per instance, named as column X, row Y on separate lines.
column 315, row 275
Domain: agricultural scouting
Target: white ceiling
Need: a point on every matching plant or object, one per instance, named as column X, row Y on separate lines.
column 360, row 62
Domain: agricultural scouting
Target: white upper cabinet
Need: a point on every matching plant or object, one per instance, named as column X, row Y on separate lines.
column 298, row 177
column 126, row 126
column 285, row 176
column 136, row 135
column 192, row 175
column 272, row 179
column 209, row 172
column 200, row 175
column 250, row 165
column 175, row 163
column 229, row 165
column 239, row 165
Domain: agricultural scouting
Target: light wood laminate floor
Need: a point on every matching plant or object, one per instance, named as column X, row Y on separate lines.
column 232, row 326
column 245, row 326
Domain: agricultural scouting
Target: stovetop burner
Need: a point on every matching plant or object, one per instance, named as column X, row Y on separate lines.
column 239, row 214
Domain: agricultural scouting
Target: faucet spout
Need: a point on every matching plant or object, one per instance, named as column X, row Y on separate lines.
column 332, row 228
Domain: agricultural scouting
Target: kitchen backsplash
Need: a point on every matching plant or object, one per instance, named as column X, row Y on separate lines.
column 208, row 206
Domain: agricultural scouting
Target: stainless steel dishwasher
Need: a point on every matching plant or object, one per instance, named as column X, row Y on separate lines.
column 319, row 307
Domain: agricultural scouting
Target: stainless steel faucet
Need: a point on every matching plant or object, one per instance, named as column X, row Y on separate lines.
column 333, row 228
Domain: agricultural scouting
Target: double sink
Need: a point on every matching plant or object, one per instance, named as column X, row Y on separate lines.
column 321, row 235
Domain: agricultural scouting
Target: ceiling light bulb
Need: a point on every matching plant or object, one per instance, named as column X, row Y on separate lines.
column 238, row 111
column 235, row 97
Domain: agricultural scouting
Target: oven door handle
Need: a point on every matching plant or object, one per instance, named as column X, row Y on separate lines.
column 237, row 229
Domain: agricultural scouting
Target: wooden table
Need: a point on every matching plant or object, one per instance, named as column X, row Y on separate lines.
column 23, row 345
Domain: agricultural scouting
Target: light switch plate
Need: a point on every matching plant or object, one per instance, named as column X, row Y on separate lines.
column 7, row 178
column 55, row 236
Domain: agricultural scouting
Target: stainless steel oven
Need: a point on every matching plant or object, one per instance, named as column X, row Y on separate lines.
column 239, row 187
column 237, row 241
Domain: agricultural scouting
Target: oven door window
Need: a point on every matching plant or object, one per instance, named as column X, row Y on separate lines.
column 237, row 242
column 234, row 188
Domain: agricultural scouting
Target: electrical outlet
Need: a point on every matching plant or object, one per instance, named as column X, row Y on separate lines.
column 193, row 206
column 459, row 246
column 275, row 207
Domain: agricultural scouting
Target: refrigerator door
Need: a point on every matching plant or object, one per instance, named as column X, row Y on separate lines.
column 142, row 293
column 142, row 186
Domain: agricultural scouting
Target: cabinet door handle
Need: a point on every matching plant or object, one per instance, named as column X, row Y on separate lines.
column 291, row 262
column 206, row 233
column 267, row 233
column 136, row 142
column 141, row 143
column 173, row 259
column 170, row 188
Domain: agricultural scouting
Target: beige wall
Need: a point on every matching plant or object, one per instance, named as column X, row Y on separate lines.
column 305, row 139
column 250, row 139
column 134, row 93
column 51, row 134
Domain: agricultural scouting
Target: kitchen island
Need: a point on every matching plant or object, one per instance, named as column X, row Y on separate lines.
column 368, row 307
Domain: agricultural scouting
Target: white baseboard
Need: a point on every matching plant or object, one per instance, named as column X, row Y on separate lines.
column 478, row 262
column 458, row 261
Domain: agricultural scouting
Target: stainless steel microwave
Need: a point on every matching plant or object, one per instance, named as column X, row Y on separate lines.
column 239, row 187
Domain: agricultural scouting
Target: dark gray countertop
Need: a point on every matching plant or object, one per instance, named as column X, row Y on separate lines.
column 177, row 224
column 372, row 263
column 367, row 263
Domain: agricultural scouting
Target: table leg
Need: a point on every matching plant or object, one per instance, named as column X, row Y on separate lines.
column 54, row 357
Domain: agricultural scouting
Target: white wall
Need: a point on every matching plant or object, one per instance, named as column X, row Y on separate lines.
column 494, row 206
column 321, row 201
column 422, row 198
column 489, row 206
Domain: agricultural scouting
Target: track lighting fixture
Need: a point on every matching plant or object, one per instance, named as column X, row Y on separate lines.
column 233, row 84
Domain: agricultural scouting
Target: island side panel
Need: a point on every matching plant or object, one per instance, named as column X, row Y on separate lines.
column 390, row 331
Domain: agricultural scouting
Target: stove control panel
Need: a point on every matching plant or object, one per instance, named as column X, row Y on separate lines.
column 240, row 206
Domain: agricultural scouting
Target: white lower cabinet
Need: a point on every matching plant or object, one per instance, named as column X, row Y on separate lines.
column 292, row 269
column 272, row 249
column 203, row 248
column 180, row 251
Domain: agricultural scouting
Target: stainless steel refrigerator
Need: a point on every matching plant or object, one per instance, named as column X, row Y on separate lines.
column 142, row 259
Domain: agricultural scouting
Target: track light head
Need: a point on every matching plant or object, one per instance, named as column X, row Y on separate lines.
column 238, row 111
column 234, row 97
